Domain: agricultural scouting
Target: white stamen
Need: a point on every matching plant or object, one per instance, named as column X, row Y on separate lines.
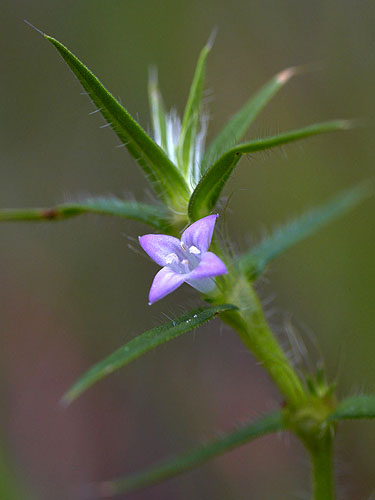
column 183, row 246
column 185, row 262
column 194, row 250
column 171, row 258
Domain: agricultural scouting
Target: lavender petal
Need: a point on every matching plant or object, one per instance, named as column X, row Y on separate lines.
column 159, row 246
column 199, row 234
column 209, row 266
column 165, row 282
column 204, row 285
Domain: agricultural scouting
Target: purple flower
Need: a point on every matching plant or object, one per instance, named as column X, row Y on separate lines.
column 186, row 260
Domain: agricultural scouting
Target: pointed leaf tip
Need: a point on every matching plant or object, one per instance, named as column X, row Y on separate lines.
column 186, row 147
column 167, row 181
column 212, row 38
column 350, row 124
column 286, row 75
column 237, row 126
column 153, row 75
column 34, row 27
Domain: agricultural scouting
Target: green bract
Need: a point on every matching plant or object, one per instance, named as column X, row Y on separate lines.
column 186, row 179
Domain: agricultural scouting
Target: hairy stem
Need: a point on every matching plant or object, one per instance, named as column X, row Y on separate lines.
column 252, row 327
column 321, row 454
column 305, row 413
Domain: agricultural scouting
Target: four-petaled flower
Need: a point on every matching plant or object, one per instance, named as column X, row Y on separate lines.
column 186, row 260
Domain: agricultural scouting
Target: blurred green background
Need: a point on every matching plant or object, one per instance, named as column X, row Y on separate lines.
column 72, row 292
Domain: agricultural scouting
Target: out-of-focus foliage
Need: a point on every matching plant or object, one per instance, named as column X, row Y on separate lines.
column 266, row 424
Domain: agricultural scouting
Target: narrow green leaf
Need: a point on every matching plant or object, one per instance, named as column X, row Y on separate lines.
column 362, row 406
column 264, row 425
column 237, row 126
column 162, row 173
column 158, row 115
column 154, row 216
column 190, row 121
column 207, row 192
column 254, row 262
column 142, row 344
column 293, row 135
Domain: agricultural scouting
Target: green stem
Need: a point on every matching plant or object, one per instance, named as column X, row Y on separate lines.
column 305, row 413
column 321, row 454
column 252, row 327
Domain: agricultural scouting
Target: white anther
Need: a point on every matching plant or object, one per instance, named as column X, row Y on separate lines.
column 185, row 262
column 194, row 250
column 183, row 246
column 171, row 258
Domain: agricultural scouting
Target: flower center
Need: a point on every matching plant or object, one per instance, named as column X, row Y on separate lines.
column 171, row 258
column 183, row 262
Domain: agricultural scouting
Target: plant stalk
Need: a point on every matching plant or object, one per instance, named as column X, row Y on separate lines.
column 252, row 327
column 321, row 454
column 305, row 414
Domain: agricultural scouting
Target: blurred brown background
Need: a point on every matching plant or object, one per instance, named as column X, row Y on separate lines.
column 72, row 292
